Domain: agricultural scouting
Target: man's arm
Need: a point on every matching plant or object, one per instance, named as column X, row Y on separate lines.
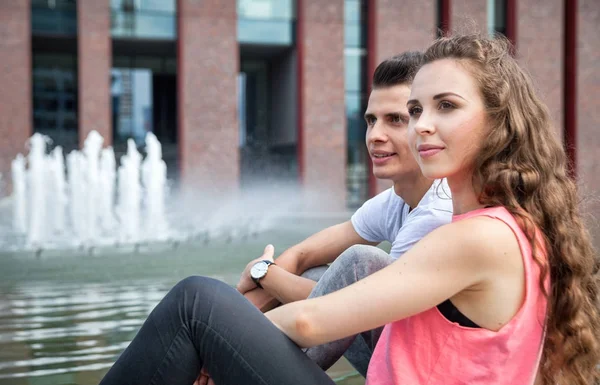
column 281, row 287
column 285, row 286
column 283, row 283
column 321, row 248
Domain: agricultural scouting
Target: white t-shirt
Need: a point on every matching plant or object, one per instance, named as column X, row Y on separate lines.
column 386, row 217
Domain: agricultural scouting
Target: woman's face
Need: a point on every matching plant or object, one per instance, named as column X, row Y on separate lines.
column 447, row 119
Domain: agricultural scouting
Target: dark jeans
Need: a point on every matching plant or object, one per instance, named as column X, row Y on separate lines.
column 205, row 322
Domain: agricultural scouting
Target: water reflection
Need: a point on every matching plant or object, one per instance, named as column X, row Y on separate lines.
column 57, row 328
column 64, row 319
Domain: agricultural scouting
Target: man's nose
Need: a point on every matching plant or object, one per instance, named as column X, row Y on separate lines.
column 376, row 133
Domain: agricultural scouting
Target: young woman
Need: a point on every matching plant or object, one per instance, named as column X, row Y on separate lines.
column 505, row 292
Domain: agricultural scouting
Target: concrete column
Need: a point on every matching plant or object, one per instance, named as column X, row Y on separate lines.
column 15, row 84
column 208, row 65
column 94, row 61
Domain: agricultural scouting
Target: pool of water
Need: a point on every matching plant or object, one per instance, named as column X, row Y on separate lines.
column 65, row 316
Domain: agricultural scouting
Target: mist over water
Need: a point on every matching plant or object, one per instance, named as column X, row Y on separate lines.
column 89, row 199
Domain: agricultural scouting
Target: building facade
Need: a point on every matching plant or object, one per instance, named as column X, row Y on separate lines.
column 242, row 90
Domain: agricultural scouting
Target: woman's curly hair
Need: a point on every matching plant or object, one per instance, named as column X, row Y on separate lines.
column 522, row 166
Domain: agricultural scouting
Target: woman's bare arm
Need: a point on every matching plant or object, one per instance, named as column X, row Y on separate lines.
column 451, row 259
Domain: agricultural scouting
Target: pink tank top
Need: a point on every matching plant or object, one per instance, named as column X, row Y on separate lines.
column 427, row 349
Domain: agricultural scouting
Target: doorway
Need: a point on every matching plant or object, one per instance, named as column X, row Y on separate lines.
column 267, row 115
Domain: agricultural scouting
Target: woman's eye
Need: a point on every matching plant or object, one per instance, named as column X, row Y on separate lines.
column 414, row 111
column 444, row 105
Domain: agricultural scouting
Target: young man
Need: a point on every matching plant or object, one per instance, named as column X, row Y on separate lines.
column 401, row 215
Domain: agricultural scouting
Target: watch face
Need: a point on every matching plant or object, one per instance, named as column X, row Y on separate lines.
column 259, row 270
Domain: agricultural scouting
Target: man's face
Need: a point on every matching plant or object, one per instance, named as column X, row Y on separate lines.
column 387, row 128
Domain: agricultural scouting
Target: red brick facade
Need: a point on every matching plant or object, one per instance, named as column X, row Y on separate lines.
column 468, row 15
column 588, row 111
column 324, row 125
column 15, row 84
column 396, row 33
column 207, row 97
column 208, row 56
column 539, row 42
column 94, row 63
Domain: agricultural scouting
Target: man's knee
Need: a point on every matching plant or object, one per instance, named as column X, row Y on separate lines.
column 359, row 261
column 354, row 264
column 364, row 254
column 315, row 273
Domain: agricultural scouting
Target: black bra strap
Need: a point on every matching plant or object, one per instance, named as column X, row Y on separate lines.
column 452, row 314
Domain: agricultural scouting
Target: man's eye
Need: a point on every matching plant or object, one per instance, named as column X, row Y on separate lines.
column 396, row 119
column 370, row 121
column 414, row 110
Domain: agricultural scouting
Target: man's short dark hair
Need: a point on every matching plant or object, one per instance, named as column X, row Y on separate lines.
column 399, row 69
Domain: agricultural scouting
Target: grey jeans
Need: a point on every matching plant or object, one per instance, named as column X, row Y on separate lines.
column 352, row 265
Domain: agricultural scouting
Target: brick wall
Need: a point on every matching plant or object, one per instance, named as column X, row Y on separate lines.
column 15, row 84
column 468, row 15
column 94, row 63
column 588, row 112
column 207, row 94
column 540, row 35
column 323, row 113
column 399, row 31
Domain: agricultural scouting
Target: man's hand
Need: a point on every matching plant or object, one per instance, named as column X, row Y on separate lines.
column 261, row 299
column 246, row 283
column 204, row 378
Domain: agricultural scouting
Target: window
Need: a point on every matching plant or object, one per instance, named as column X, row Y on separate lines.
column 355, row 54
column 55, row 97
column 496, row 12
column 143, row 99
column 57, row 17
column 266, row 22
column 150, row 19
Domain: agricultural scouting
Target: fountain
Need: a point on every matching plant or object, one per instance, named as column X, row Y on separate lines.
column 91, row 152
column 89, row 199
column 19, row 191
column 154, row 178
column 107, row 189
column 58, row 203
column 37, row 191
column 75, row 174
column 128, row 208
column 54, row 206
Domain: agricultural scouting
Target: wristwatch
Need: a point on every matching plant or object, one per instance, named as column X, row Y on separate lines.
column 259, row 270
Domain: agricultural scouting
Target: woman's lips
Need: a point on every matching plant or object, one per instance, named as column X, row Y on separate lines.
column 429, row 153
column 429, row 150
